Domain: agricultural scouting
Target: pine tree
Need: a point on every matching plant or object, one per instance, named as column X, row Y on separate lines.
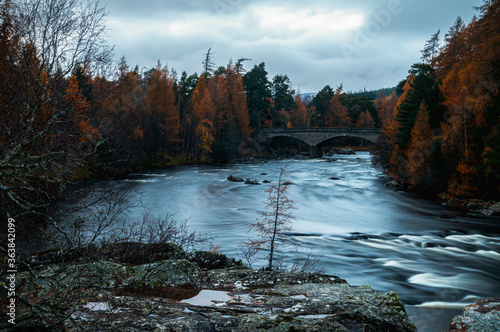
column 431, row 49
column 258, row 95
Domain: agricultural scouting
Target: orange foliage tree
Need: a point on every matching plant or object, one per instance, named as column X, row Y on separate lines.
column 298, row 116
column 338, row 114
column 162, row 113
column 419, row 149
column 84, row 129
column 391, row 130
column 365, row 120
column 203, row 114
column 458, row 142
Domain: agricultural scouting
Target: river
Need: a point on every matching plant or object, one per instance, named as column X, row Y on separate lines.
column 437, row 259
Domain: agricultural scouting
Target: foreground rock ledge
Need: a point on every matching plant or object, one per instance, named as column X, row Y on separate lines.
column 179, row 296
column 484, row 315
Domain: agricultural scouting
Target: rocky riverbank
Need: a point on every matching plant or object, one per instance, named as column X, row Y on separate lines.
column 475, row 206
column 160, row 287
column 190, row 292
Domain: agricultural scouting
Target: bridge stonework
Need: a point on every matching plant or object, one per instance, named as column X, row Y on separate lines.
column 315, row 136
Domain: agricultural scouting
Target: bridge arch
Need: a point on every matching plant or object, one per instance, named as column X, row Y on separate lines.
column 313, row 137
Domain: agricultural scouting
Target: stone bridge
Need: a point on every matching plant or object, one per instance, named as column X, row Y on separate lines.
column 315, row 136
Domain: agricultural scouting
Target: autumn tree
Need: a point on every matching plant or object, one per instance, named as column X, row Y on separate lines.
column 298, row 116
column 44, row 42
column 162, row 112
column 232, row 120
column 203, row 115
column 386, row 107
column 453, row 48
column 392, row 129
column 338, row 114
column 80, row 106
column 365, row 120
column 419, row 150
column 469, row 70
column 276, row 219
column 459, row 87
column 121, row 109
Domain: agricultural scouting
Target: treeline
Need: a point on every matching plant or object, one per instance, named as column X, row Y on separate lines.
column 373, row 94
column 443, row 132
column 334, row 108
column 65, row 114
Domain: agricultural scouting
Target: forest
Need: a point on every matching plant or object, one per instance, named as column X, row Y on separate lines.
column 66, row 114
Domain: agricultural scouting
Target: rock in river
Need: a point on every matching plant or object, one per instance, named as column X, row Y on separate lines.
column 233, row 178
column 253, row 182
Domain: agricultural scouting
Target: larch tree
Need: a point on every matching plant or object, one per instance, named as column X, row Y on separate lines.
column 203, row 111
column 338, row 114
column 452, row 50
column 386, row 107
column 82, row 125
column 392, row 130
column 365, row 120
column 299, row 114
column 161, row 110
column 419, row 150
column 276, row 219
column 121, row 112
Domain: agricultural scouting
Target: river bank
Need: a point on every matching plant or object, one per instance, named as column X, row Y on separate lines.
column 138, row 287
column 181, row 291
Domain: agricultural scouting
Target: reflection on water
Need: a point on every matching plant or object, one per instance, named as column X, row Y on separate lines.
column 365, row 232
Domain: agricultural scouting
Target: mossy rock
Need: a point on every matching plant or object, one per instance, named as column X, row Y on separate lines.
column 212, row 260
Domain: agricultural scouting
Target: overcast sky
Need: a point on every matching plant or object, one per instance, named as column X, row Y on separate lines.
column 361, row 43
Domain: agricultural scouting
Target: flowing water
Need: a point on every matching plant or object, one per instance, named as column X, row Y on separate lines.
column 436, row 259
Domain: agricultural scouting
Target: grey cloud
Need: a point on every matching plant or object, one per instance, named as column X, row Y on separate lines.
column 311, row 59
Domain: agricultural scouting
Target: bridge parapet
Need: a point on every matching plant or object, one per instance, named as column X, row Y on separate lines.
column 315, row 136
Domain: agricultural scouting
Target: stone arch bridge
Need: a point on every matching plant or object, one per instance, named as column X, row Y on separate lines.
column 315, row 136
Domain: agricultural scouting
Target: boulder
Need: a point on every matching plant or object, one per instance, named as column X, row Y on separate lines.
column 235, row 179
column 252, row 182
column 393, row 184
column 484, row 315
column 108, row 275
column 493, row 210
